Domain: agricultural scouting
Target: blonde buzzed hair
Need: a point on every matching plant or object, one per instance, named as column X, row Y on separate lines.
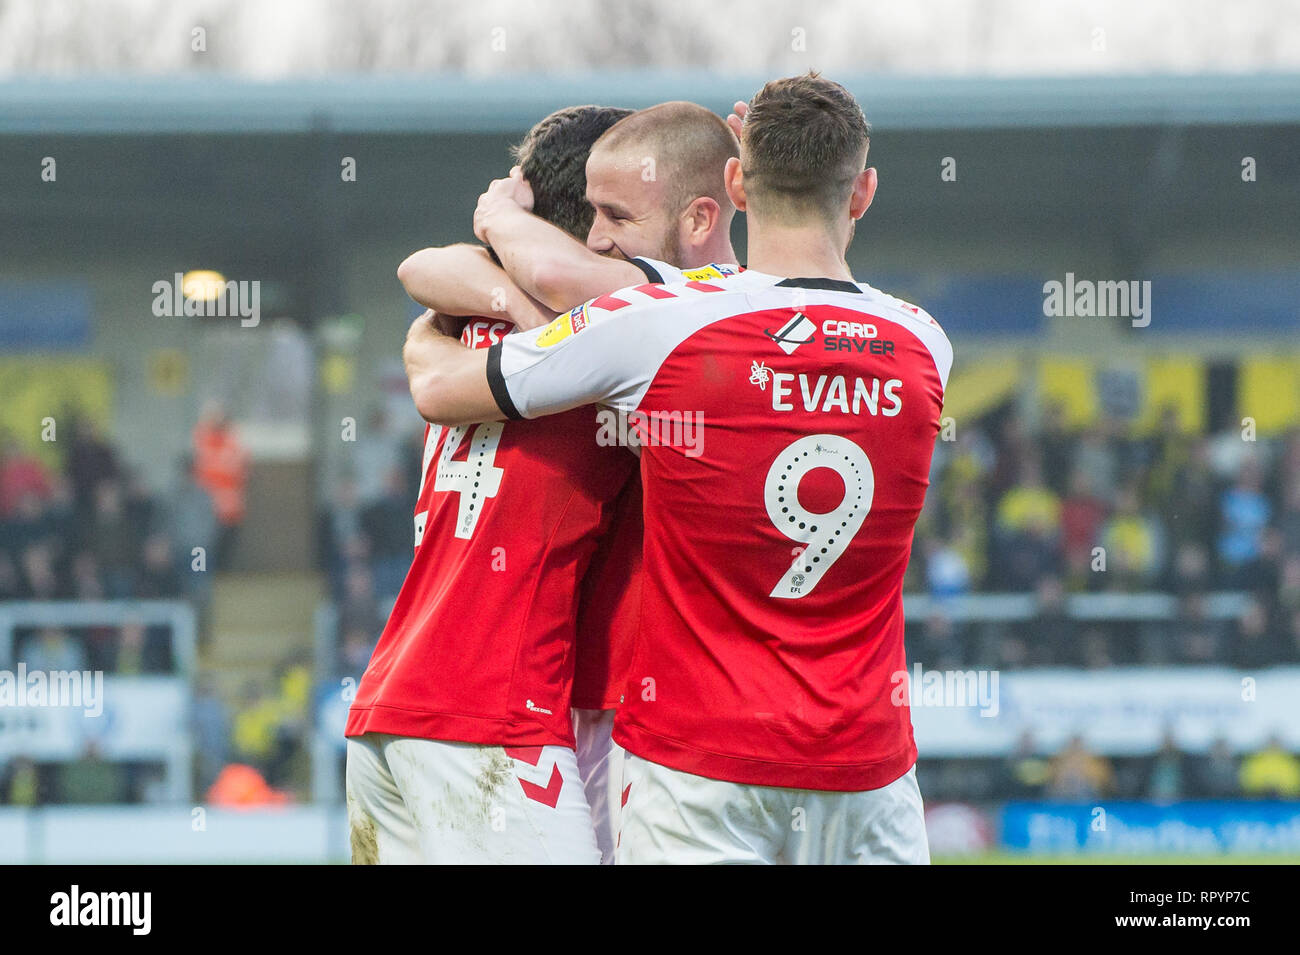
column 689, row 145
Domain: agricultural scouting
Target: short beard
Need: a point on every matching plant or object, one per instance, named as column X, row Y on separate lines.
column 672, row 252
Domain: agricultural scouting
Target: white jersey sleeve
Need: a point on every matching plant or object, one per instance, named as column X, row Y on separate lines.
column 596, row 353
column 661, row 273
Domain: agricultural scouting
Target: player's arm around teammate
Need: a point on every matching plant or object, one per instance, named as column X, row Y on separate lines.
column 462, row 280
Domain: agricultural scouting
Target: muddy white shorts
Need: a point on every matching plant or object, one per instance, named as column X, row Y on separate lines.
column 426, row 801
column 674, row 817
column 600, row 762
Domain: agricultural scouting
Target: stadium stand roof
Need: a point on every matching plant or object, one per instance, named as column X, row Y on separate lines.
column 441, row 103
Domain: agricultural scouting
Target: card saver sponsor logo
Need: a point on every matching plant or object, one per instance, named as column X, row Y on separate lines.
column 800, row 330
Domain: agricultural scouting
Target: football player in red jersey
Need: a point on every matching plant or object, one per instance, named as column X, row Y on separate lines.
column 655, row 182
column 460, row 742
column 760, row 718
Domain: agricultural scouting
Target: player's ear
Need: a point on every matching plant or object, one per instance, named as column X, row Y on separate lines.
column 864, row 190
column 700, row 218
column 734, row 181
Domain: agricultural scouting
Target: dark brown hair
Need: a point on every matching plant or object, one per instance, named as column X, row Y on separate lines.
column 553, row 156
column 804, row 140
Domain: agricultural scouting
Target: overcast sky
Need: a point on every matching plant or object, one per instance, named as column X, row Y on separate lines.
column 271, row 39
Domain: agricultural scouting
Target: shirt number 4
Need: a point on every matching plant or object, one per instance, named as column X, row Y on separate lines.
column 475, row 479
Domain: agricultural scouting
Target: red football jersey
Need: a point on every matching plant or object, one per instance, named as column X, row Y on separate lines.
column 479, row 647
column 787, row 430
column 610, row 608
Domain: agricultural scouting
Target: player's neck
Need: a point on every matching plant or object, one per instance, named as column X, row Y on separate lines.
column 719, row 252
column 796, row 252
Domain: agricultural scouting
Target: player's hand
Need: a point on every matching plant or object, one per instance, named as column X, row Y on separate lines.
column 431, row 324
column 513, row 191
column 448, row 325
column 736, row 119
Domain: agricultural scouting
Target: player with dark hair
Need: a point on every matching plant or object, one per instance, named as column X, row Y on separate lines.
column 680, row 210
column 460, row 745
column 762, row 719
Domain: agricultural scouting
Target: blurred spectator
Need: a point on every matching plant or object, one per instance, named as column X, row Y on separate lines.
column 1028, row 527
column 1197, row 638
column 20, row 783
column 1025, row 773
column 946, row 571
column 1217, row 772
column 158, row 578
column 1056, row 445
column 221, row 468
column 87, row 581
column 1167, row 778
column 242, row 787
column 358, row 645
column 191, row 522
column 1189, row 509
column 1094, row 455
column 1289, row 520
column 340, row 536
column 270, row 727
column 376, row 452
column 1288, row 584
column 140, row 650
column 1052, row 627
column 210, row 724
column 359, row 607
column 113, row 540
column 1134, row 543
column 1254, row 645
column 1271, row 773
column 90, row 780
column 388, row 527
column 1291, row 638
column 1082, row 513
column 40, row 580
column 52, row 650
column 1245, row 513
column 21, row 475
column 941, row 644
column 1078, row 775
column 89, row 461
column 1095, row 650
column 1190, row 569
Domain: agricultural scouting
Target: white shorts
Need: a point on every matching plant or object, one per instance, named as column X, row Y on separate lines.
column 675, row 817
column 426, row 801
column 600, row 762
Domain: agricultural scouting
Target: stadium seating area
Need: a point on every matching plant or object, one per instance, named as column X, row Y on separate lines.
column 1012, row 510
column 1052, row 513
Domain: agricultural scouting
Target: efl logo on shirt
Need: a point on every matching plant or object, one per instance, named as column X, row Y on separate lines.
column 707, row 272
column 563, row 326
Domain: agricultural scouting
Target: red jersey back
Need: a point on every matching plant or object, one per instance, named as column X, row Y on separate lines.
column 788, row 426
column 609, row 612
column 479, row 647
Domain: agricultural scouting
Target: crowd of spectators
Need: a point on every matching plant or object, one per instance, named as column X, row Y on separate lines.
column 365, row 538
column 1076, row 774
column 1013, row 509
column 81, row 525
column 1052, row 512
